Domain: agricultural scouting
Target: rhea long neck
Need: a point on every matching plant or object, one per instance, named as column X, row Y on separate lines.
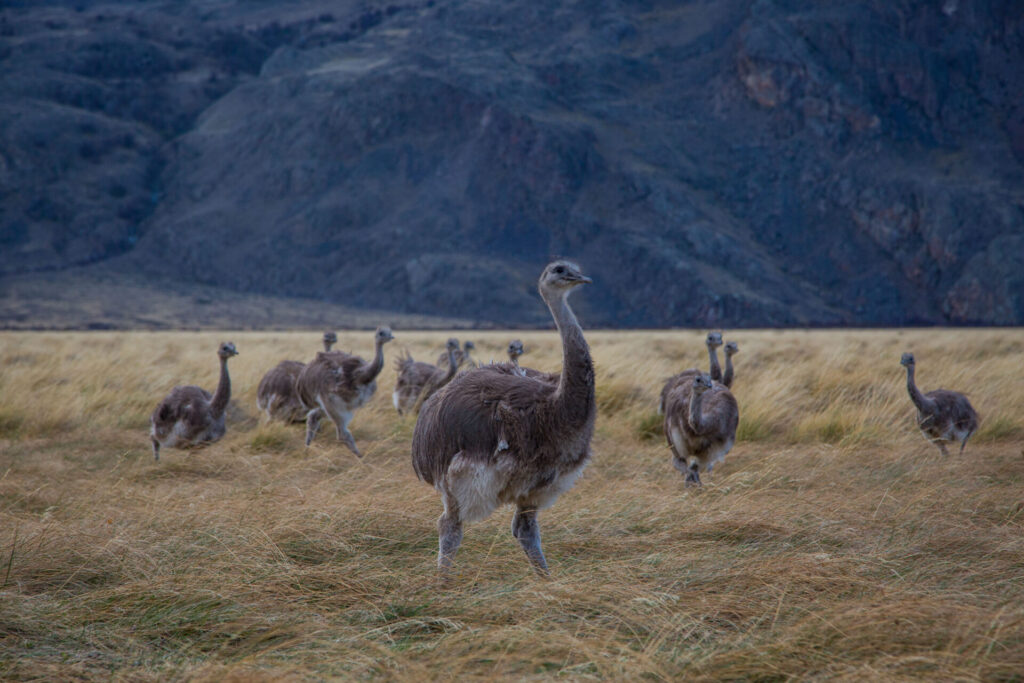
column 575, row 390
column 453, row 364
column 694, row 417
column 727, row 375
column 923, row 404
column 369, row 371
column 220, row 399
column 715, row 370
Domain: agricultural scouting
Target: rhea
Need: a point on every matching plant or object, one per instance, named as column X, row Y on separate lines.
column 462, row 357
column 712, row 342
column 515, row 350
column 417, row 380
column 190, row 416
column 336, row 384
column 701, row 417
column 942, row 415
column 494, row 437
column 276, row 395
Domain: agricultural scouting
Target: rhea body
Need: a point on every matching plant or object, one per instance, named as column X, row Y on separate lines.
column 276, row 395
column 942, row 415
column 417, row 380
column 494, row 436
column 189, row 415
column 336, row 384
column 701, row 417
column 712, row 342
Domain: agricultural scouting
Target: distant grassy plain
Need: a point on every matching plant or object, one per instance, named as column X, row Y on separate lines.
column 833, row 543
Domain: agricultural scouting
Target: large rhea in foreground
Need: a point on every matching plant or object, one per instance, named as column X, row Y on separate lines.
column 493, row 436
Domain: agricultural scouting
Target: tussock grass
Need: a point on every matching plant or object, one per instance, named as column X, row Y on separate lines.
column 834, row 542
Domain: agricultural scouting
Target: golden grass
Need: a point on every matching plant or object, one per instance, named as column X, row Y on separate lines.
column 833, row 543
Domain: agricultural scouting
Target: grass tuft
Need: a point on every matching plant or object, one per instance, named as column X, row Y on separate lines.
column 999, row 427
column 649, row 426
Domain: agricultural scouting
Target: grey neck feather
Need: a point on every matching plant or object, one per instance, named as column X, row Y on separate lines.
column 727, row 375
column 327, row 346
column 453, row 365
column 694, row 417
column 923, row 404
column 575, row 391
column 716, row 369
column 220, row 399
column 369, row 371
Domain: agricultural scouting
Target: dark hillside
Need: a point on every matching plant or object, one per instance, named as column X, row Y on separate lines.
column 710, row 163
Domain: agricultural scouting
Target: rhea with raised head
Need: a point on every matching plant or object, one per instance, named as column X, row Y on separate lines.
column 701, row 417
column 276, row 395
column 942, row 415
column 712, row 342
column 515, row 350
column 336, row 384
column 190, row 416
column 417, row 380
column 494, row 437
column 463, row 357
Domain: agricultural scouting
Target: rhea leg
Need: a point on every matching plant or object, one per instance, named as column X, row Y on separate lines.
column 527, row 532
column 341, row 418
column 942, row 448
column 346, row 437
column 156, row 448
column 313, row 418
column 693, row 475
column 449, row 535
column 963, row 444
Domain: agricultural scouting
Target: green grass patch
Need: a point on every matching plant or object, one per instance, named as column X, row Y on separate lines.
column 755, row 428
column 10, row 425
column 649, row 426
column 831, row 428
column 614, row 397
column 1001, row 427
column 274, row 439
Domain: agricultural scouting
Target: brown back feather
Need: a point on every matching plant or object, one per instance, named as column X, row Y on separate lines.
column 476, row 409
column 952, row 408
column 329, row 373
column 280, row 380
column 190, row 404
column 718, row 408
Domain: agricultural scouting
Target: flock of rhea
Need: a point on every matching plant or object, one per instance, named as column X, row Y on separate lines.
column 500, row 432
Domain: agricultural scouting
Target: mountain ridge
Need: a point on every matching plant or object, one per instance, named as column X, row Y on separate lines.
column 736, row 163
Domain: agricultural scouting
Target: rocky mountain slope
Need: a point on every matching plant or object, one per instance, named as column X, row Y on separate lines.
column 721, row 162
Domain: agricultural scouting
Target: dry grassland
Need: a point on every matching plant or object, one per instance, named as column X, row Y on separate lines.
column 833, row 543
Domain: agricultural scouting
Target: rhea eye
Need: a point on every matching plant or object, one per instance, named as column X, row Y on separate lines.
column 559, row 270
